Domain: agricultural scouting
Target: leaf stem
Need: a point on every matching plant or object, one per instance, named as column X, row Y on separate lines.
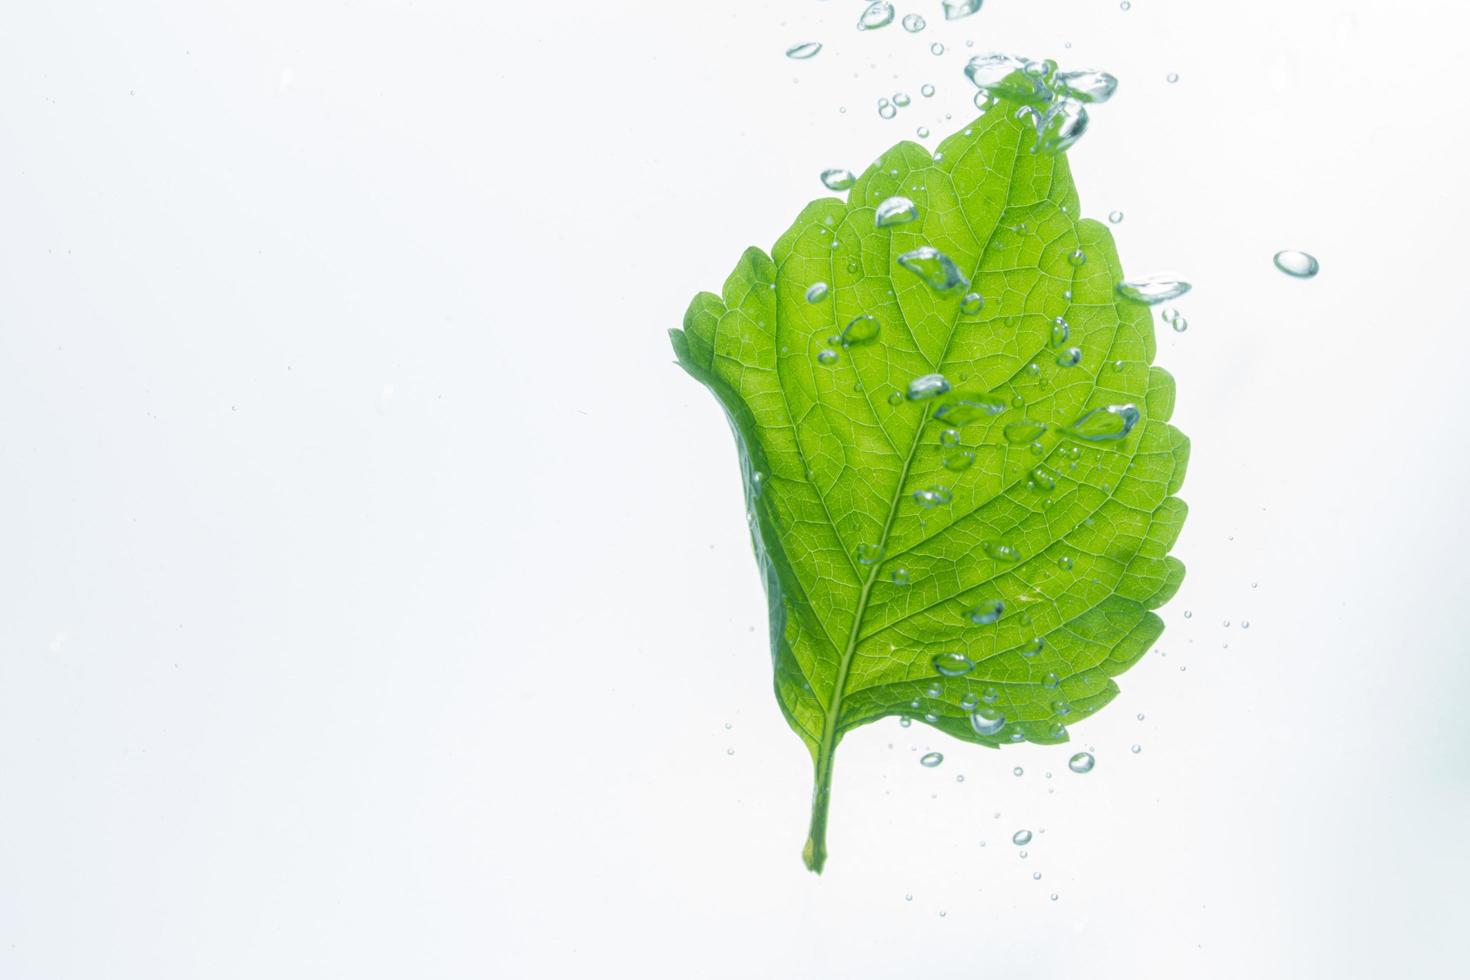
column 815, row 851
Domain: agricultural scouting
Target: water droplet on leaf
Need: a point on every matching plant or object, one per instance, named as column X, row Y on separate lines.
column 1001, row 551
column 987, row 721
column 927, row 386
column 1019, row 432
column 859, row 330
column 1106, row 424
column 964, row 408
column 952, row 664
column 933, row 497
column 1152, row 289
column 895, row 210
column 987, row 612
column 1087, row 85
column 934, row 267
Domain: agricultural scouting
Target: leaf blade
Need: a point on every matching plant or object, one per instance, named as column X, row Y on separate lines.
column 831, row 453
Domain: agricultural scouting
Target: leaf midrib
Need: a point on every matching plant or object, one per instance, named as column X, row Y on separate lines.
column 834, row 706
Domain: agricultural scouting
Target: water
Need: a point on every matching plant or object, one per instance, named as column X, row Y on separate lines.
column 303, row 560
column 1153, row 289
column 1051, row 100
column 1024, row 431
column 927, row 386
column 1106, row 424
column 936, row 269
column 1088, row 85
column 875, row 15
column 986, row 612
column 987, row 721
column 896, row 210
column 1001, row 551
column 838, row 179
column 1298, row 265
column 967, row 407
column 953, row 664
column 861, row 329
column 933, row 497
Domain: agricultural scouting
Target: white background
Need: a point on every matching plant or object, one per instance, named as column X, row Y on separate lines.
column 375, row 593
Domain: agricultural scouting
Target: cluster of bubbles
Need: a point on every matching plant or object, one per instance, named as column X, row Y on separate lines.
column 1053, row 101
column 880, row 13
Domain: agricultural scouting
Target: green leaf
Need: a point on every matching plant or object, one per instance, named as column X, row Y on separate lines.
column 1069, row 528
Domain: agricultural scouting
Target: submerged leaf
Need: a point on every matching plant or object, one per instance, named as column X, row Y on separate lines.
column 1068, row 534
